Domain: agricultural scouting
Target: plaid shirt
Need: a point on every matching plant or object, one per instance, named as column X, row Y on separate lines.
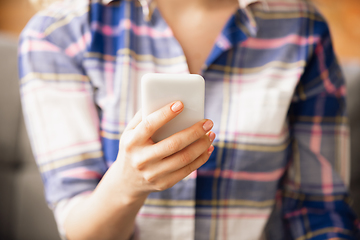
column 273, row 89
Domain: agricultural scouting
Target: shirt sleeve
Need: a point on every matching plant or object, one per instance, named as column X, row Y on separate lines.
column 315, row 203
column 58, row 102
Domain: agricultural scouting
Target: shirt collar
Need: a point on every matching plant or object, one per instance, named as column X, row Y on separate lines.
column 242, row 3
column 245, row 3
column 248, row 25
column 106, row 1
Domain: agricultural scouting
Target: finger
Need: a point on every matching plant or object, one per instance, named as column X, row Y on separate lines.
column 172, row 178
column 185, row 156
column 148, row 126
column 134, row 121
column 180, row 140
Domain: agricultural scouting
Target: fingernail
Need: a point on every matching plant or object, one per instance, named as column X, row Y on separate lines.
column 210, row 149
column 208, row 125
column 212, row 136
column 177, row 106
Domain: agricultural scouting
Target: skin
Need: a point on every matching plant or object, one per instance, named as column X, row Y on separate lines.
column 196, row 24
column 143, row 166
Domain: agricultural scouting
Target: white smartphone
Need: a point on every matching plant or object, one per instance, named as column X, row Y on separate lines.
column 159, row 89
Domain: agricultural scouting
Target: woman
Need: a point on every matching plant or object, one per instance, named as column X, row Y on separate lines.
column 274, row 94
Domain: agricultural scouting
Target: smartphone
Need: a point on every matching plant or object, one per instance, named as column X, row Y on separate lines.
column 158, row 89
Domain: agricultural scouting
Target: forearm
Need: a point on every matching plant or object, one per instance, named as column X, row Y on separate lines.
column 105, row 214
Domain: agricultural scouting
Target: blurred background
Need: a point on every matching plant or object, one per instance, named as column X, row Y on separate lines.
column 23, row 212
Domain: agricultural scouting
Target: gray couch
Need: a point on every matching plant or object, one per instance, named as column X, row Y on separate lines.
column 352, row 76
column 23, row 211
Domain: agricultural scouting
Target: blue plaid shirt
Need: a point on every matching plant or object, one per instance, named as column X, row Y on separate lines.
column 273, row 89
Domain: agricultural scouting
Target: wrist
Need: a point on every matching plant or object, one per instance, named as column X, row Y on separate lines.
column 117, row 192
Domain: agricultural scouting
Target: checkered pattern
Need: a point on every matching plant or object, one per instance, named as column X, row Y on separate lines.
column 273, row 89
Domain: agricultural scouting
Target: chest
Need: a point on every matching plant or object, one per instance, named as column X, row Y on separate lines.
column 248, row 88
column 196, row 30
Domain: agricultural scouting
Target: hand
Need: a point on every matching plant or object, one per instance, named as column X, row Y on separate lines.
column 143, row 166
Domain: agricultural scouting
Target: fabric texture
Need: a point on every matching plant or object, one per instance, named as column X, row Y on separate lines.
column 274, row 90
